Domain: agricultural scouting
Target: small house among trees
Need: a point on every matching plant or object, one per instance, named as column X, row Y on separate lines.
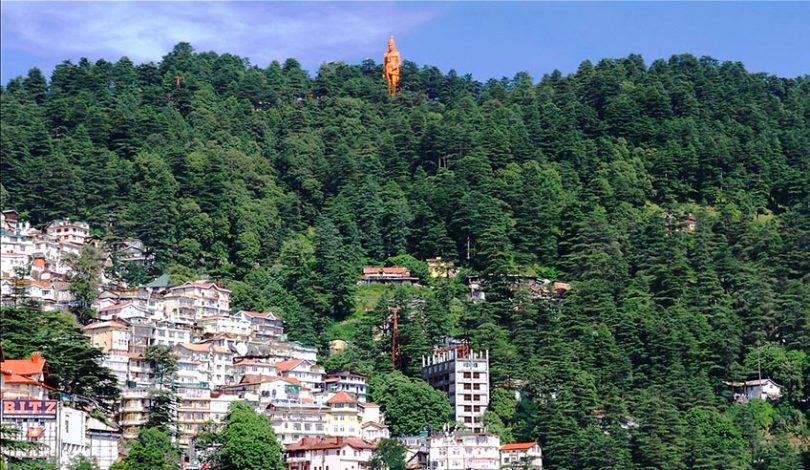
column 757, row 389
column 395, row 275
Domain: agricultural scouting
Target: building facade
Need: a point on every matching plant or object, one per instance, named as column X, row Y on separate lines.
column 463, row 374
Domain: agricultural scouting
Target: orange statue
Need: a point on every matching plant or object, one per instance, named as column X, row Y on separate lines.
column 391, row 67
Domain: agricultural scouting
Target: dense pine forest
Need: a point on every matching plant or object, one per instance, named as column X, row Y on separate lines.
column 283, row 185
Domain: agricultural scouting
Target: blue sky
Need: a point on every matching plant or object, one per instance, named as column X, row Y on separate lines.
column 484, row 39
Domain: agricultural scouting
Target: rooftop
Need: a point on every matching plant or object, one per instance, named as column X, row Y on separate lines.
column 518, row 446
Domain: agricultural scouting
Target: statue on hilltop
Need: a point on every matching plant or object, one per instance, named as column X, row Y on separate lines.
column 391, row 62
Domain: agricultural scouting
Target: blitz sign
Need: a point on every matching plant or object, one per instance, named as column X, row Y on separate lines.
column 33, row 408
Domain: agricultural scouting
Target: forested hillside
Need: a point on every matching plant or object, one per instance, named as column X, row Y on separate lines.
column 284, row 185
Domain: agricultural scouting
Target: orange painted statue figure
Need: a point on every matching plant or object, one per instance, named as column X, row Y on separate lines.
column 391, row 66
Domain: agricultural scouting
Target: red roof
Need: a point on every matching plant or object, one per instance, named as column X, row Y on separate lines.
column 324, row 443
column 341, row 397
column 284, row 366
column 20, row 380
column 106, row 324
column 518, row 446
column 25, row 367
column 386, row 270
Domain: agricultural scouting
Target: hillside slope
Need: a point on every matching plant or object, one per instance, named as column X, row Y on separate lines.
column 284, row 185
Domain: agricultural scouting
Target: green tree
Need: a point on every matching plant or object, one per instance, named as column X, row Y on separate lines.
column 152, row 450
column 84, row 282
column 389, row 455
column 246, row 441
column 409, row 404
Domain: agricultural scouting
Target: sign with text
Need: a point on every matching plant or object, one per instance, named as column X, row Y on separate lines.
column 30, row 408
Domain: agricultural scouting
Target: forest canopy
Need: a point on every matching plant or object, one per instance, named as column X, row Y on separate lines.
column 284, row 185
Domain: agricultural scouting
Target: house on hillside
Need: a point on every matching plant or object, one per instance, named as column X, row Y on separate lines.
column 393, row 275
column 329, row 453
column 757, row 389
column 69, row 231
column 437, row 267
column 521, row 456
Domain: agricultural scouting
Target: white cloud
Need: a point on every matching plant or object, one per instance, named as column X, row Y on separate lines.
column 311, row 32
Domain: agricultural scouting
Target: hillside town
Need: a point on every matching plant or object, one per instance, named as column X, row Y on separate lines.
column 221, row 357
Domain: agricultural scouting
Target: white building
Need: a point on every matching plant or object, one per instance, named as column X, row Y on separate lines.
column 230, row 325
column 521, row 456
column 346, row 381
column 757, row 389
column 103, row 441
column 168, row 333
column 124, row 311
column 293, row 420
column 329, row 453
column 249, row 366
column 69, row 231
column 463, row 374
column 462, row 451
column 307, row 372
column 195, row 300
column 371, row 431
column 265, row 325
column 216, row 362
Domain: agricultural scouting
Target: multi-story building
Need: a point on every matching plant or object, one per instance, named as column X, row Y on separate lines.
column 63, row 432
column 169, row 333
column 216, row 362
column 250, row 366
column 233, row 326
column 372, row 431
column 69, row 231
column 260, row 391
column 344, row 417
column 118, row 363
column 123, row 311
column 11, row 262
column 193, row 410
column 265, row 325
column 329, row 453
column 464, row 451
column 346, row 381
column 195, row 300
column 133, row 410
column 463, row 374
column 110, row 336
column 307, row 372
column 521, row 456
column 293, row 420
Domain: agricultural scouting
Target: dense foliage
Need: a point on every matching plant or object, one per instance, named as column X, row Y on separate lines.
column 74, row 365
column 246, row 441
column 284, row 185
column 410, row 405
column 153, row 450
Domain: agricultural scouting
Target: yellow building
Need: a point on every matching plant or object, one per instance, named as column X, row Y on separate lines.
column 437, row 267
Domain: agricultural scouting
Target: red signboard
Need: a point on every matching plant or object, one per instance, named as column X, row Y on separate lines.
column 25, row 408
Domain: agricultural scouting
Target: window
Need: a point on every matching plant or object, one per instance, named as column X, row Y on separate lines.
column 468, row 408
column 467, row 419
column 477, row 408
column 467, row 375
column 476, row 386
column 467, row 386
column 467, row 397
column 476, row 375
